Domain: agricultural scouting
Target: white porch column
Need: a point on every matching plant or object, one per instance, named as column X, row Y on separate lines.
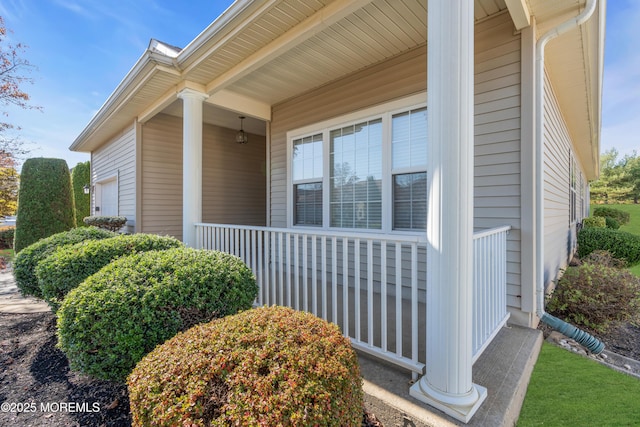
column 447, row 384
column 191, row 163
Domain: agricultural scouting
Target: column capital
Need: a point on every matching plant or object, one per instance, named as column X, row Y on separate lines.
column 189, row 93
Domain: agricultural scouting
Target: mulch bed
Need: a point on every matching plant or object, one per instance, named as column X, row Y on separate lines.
column 40, row 389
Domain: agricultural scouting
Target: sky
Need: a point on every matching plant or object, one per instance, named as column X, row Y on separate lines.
column 82, row 49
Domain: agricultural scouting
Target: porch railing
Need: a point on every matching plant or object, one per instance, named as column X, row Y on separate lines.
column 372, row 286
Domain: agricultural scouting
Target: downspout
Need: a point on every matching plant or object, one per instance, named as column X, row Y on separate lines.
column 591, row 343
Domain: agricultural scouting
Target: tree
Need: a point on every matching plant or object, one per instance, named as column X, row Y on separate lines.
column 45, row 201
column 12, row 76
column 619, row 178
column 13, row 70
column 9, row 182
column 81, row 176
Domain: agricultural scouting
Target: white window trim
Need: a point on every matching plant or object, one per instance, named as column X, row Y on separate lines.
column 384, row 111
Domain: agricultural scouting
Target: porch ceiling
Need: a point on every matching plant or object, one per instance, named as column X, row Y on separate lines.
column 260, row 53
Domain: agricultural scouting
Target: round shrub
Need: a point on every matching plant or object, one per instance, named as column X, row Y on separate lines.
column 70, row 265
column 81, row 176
column 596, row 296
column 604, row 211
column 612, row 223
column 594, row 221
column 27, row 260
column 116, row 316
column 620, row 244
column 270, row 366
column 45, row 201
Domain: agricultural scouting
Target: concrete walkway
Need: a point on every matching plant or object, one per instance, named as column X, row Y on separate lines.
column 504, row 369
column 12, row 301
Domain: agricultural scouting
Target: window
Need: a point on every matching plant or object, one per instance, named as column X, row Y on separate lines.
column 356, row 176
column 307, row 178
column 409, row 154
column 363, row 171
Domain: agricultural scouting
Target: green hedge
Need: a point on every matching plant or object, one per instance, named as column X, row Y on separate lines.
column 70, row 265
column 270, row 366
column 612, row 223
column 594, row 221
column 112, row 223
column 621, row 216
column 116, row 316
column 81, row 176
column 26, row 261
column 620, row 244
column 45, row 201
column 7, row 235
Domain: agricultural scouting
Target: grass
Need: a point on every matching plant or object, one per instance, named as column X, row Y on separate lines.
column 571, row 390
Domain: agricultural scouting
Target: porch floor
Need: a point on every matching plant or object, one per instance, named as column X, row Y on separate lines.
column 504, row 369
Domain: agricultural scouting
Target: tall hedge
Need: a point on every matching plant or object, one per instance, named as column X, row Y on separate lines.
column 45, row 201
column 81, row 176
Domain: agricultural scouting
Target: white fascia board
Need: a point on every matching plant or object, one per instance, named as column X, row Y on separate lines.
column 240, row 103
column 519, row 12
column 140, row 73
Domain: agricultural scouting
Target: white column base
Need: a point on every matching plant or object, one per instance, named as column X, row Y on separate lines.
column 460, row 407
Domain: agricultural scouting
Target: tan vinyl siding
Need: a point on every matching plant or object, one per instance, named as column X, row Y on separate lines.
column 497, row 187
column 162, row 176
column 234, row 183
column 117, row 158
column 559, row 231
column 233, row 177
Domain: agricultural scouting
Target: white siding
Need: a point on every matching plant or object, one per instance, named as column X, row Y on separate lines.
column 117, row 158
column 497, row 188
column 559, row 231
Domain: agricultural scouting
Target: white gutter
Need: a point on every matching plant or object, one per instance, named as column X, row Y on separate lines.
column 590, row 342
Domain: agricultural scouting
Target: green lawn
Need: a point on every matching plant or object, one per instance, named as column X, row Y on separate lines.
column 571, row 390
column 634, row 211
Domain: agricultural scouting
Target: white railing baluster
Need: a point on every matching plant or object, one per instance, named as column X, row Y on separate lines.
column 356, row 267
column 296, row 276
column 324, row 277
column 314, row 275
column 414, row 307
column 383, row 295
column 370, row 292
column 345, row 286
column 305, row 273
column 288, row 260
column 264, row 250
column 399, row 299
column 334, row 279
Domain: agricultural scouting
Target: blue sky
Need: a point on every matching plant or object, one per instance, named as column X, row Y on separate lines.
column 83, row 49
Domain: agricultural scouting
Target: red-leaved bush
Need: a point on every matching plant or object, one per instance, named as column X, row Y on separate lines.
column 269, row 366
